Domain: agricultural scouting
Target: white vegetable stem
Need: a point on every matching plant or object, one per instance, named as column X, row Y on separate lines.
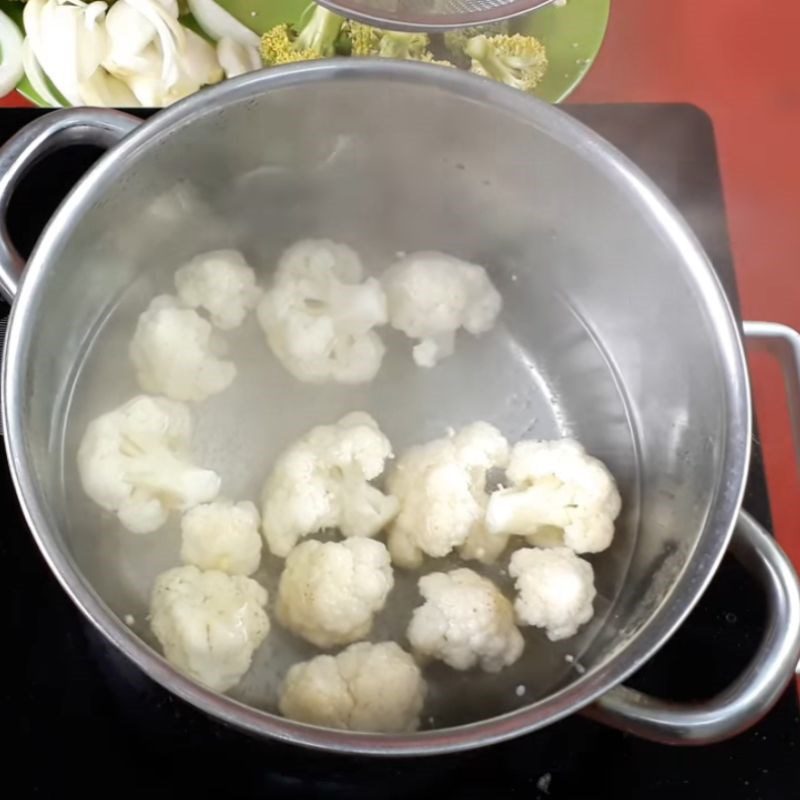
column 171, row 35
column 235, row 58
column 11, row 67
column 35, row 73
column 217, row 22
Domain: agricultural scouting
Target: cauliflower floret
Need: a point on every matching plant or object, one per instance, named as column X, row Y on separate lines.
column 556, row 590
column 319, row 316
column 441, row 487
column 135, row 462
column 483, row 546
column 222, row 536
column 222, row 283
column 560, row 496
column 464, row 621
column 367, row 687
column 431, row 295
column 322, row 481
column 173, row 353
column 330, row 591
column 209, row 623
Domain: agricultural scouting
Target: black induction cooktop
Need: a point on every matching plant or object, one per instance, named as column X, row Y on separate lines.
column 78, row 718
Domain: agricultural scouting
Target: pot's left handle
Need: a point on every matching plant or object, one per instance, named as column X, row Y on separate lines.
column 93, row 126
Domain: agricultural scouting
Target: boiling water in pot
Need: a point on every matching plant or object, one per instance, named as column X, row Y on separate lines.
column 529, row 377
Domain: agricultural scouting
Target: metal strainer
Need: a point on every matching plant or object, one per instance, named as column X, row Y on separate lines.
column 431, row 15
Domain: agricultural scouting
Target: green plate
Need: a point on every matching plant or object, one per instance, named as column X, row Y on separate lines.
column 572, row 34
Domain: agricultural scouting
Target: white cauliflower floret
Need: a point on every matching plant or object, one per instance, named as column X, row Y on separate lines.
column 330, row 591
column 556, row 590
column 559, row 496
column 209, row 623
column 320, row 314
column 222, row 536
column 465, row 621
column 174, row 354
column 322, row 481
column 431, row 295
column 367, row 687
column 222, row 283
column 483, row 546
column 441, row 487
column 135, row 462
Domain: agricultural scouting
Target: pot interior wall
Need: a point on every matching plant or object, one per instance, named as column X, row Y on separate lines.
column 603, row 336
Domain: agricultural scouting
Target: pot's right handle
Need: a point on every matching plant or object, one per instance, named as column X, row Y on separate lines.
column 56, row 129
column 782, row 342
column 755, row 691
column 758, row 688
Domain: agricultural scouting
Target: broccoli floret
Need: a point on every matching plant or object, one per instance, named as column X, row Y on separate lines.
column 285, row 44
column 518, row 61
column 429, row 58
column 368, row 41
column 456, row 40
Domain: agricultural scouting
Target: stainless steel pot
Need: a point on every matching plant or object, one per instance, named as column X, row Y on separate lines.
column 615, row 330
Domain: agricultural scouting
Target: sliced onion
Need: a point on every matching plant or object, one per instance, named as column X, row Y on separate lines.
column 199, row 61
column 35, row 74
column 53, row 33
column 171, row 36
column 93, row 40
column 219, row 23
column 103, row 89
column 237, row 59
column 11, row 67
column 95, row 12
column 129, row 35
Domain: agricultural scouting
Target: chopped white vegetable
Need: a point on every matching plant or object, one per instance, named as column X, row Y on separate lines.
column 560, row 495
column 237, row 59
column 175, row 355
column 222, row 283
column 322, row 481
column 11, row 66
column 367, row 687
column 222, row 536
column 219, row 23
column 441, row 487
column 483, row 546
column 37, row 78
column 329, row 592
column 209, row 623
column 68, row 40
column 103, row 89
column 135, row 462
column 556, row 590
column 129, row 33
column 319, row 316
column 465, row 621
column 431, row 295
column 160, row 82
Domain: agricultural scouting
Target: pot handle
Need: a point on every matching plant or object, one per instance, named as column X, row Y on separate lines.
column 782, row 342
column 754, row 692
column 52, row 131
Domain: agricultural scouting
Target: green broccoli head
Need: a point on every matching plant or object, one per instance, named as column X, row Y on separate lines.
column 368, row 41
column 320, row 32
column 317, row 38
column 456, row 40
column 518, row 61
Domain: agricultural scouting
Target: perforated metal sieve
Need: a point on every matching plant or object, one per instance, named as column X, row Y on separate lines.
column 431, row 15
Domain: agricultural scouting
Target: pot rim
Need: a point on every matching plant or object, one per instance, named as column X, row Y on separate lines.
column 693, row 578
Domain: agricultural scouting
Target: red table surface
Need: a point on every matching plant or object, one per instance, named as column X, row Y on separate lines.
column 737, row 60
